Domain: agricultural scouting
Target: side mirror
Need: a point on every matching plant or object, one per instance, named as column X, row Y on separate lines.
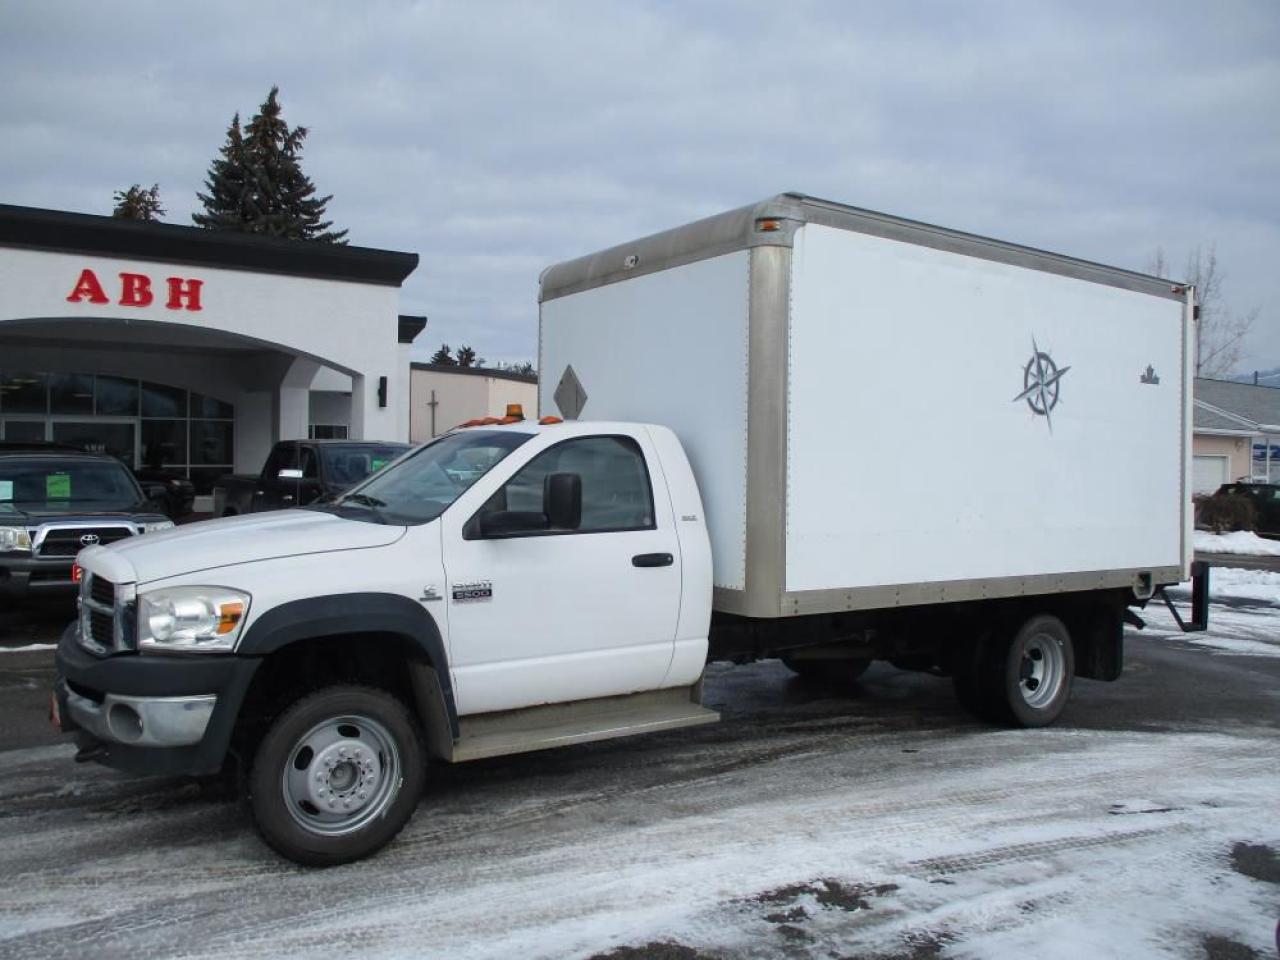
column 289, row 473
column 155, row 491
column 562, row 500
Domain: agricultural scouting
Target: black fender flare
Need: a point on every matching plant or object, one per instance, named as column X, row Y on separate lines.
column 344, row 613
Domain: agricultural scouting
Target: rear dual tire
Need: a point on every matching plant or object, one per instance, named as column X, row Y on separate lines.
column 1019, row 678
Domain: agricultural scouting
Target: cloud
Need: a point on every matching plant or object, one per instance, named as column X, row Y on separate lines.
column 497, row 138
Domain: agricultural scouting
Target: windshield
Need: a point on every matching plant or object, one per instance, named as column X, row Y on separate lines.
column 345, row 465
column 53, row 486
column 420, row 487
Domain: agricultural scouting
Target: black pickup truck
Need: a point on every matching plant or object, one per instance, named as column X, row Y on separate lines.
column 298, row 472
column 55, row 502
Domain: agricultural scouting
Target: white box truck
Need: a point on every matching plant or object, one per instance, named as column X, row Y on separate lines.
column 795, row 430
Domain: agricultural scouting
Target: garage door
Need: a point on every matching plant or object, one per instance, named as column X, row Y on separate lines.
column 1208, row 473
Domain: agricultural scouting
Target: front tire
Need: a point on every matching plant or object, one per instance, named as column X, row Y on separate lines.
column 337, row 775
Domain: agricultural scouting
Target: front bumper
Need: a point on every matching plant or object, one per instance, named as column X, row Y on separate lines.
column 151, row 714
column 22, row 577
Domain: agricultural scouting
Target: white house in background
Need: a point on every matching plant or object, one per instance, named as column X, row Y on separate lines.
column 441, row 397
column 1237, row 434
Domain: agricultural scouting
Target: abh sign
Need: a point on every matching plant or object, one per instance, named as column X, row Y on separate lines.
column 135, row 291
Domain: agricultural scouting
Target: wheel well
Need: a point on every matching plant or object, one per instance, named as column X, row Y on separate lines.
column 382, row 660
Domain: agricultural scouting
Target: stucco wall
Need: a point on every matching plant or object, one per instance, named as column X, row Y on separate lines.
column 461, row 397
column 349, row 326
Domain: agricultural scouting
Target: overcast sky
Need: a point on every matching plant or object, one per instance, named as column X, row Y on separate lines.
column 495, row 139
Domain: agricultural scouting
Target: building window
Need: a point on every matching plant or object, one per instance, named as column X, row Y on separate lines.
column 327, row 431
column 144, row 424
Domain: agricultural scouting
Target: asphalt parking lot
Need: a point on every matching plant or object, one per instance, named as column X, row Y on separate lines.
column 871, row 821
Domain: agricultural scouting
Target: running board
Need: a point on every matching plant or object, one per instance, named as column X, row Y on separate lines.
column 584, row 721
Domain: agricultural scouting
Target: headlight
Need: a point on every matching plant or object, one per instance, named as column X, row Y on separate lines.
column 14, row 538
column 198, row 619
column 157, row 526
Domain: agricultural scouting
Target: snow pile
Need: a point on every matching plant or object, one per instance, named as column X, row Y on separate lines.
column 1240, row 542
column 1243, row 619
column 1227, row 583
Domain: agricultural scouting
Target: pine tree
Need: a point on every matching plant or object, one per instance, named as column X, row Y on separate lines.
column 444, row 357
column 467, row 357
column 257, row 184
column 138, row 204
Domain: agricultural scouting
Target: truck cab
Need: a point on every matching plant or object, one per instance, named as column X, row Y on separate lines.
column 506, row 587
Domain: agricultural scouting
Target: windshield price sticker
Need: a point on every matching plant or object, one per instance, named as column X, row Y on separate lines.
column 57, row 486
column 6, row 489
column 467, row 592
column 377, row 465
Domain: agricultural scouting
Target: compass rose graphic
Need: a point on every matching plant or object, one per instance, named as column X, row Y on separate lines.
column 1040, row 378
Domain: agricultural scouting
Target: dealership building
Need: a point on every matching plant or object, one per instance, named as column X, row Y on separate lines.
column 196, row 349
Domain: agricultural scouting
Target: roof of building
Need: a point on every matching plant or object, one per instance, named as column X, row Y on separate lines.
column 61, row 231
column 1240, row 407
column 477, row 372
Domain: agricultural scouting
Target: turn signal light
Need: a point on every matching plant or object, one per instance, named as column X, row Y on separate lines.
column 768, row 225
column 229, row 615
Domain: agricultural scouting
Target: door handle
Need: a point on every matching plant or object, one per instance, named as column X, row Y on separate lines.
column 652, row 560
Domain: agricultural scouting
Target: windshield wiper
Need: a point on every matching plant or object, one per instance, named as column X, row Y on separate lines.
column 364, row 498
column 354, row 501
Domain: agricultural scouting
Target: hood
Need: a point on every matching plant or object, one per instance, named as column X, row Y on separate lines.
column 211, row 544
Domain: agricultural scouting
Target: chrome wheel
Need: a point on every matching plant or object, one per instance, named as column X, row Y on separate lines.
column 341, row 775
column 1042, row 670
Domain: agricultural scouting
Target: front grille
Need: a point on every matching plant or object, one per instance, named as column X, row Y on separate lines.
column 106, row 612
column 102, row 628
column 67, row 541
column 102, row 591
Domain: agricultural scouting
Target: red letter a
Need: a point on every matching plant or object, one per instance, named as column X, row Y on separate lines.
column 87, row 287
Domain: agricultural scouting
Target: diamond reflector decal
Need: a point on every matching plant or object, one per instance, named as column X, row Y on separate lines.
column 570, row 396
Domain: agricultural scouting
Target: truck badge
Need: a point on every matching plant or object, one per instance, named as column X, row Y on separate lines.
column 429, row 594
column 466, row 592
column 90, row 540
column 1040, row 382
column 1150, row 376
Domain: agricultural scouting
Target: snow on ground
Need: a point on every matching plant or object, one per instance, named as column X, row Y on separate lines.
column 1240, row 542
column 1244, row 618
column 29, row 647
column 1047, row 844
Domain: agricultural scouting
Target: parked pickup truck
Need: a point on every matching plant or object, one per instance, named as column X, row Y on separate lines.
column 298, row 472
column 54, row 503
column 757, row 493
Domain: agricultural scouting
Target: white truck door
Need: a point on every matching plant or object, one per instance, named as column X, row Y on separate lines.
column 551, row 616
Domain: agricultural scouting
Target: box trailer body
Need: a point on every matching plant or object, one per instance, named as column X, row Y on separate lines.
column 882, row 413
